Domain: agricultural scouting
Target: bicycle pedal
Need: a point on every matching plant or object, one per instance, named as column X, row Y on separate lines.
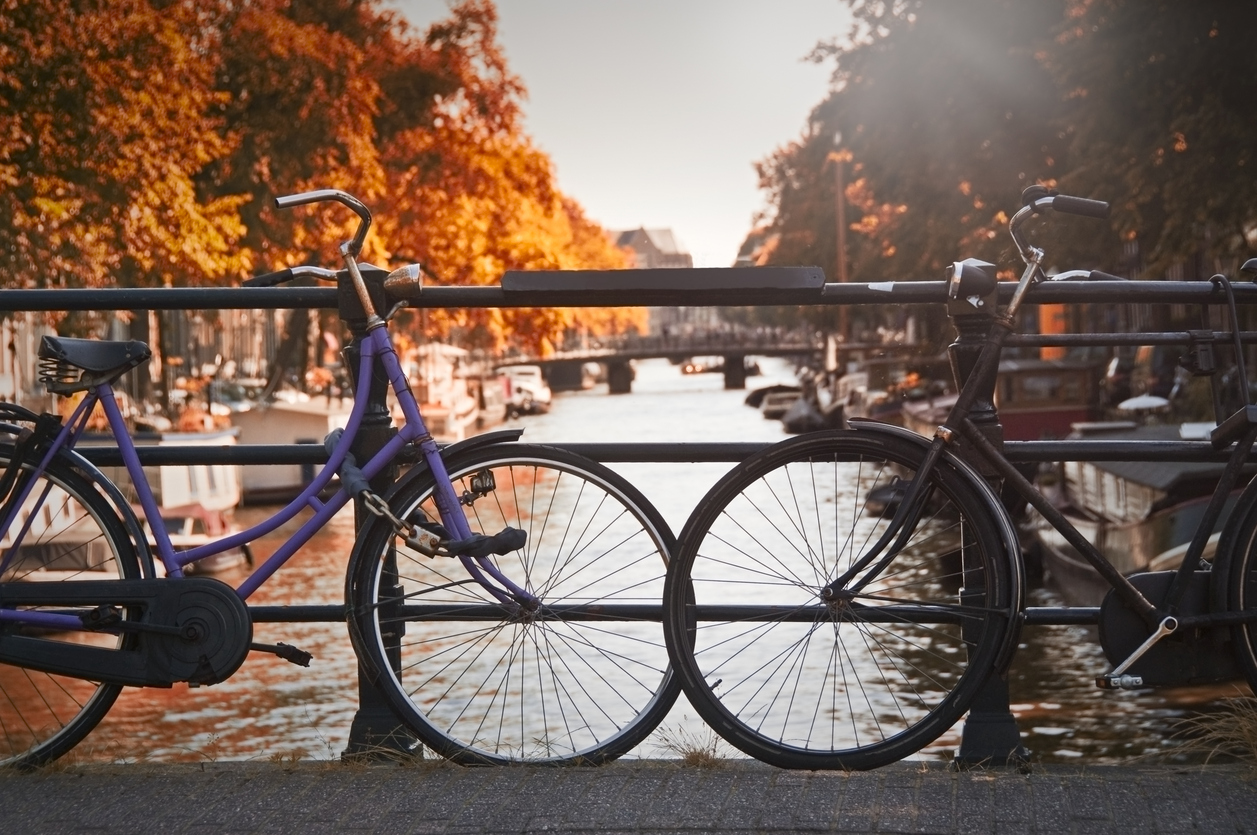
column 285, row 651
column 1122, row 682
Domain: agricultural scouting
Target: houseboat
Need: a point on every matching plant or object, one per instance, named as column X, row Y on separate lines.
column 198, row 501
column 1139, row 515
column 1036, row 399
column 301, row 420
column 441, row 376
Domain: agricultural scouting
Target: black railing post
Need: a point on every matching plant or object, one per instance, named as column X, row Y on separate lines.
column 990, row 735
column 375, row 729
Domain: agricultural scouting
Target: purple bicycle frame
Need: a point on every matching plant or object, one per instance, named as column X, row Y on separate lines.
column 375, row 345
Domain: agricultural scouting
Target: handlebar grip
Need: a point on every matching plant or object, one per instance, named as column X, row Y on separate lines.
column 269, row 279
column 1080, row 206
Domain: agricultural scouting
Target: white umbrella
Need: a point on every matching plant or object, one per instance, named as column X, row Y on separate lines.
column 1143, row 403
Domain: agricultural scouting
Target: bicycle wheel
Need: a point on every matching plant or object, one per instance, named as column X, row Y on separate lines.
column 1239, row 566
column 74, row 534
column 480, row 684
column 865, row 679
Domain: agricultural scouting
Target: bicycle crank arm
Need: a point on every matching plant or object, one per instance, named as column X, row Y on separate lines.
column 1116, row 680
column 193, row 629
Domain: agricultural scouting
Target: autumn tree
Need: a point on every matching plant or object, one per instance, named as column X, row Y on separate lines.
column 142, row 142
column 1159, row 113
column 948, row 109
column 470, row 197
column 940, row 114
column 108, row 114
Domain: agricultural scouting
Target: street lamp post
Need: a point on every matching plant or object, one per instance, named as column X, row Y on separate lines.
column 839, row 157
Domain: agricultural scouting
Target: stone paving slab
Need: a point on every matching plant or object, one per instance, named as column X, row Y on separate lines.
column 625, row 798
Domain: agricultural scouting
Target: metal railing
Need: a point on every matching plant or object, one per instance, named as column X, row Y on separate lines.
column 629, row 288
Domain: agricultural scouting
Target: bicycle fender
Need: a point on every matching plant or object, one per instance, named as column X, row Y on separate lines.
column 125, row 511
column 1007, row 530
column 1228, row 541
column 501, row 436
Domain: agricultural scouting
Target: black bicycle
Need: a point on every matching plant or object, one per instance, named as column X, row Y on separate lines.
column 839, row 599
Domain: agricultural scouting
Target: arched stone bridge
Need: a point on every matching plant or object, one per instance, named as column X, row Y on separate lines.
column 563, row 369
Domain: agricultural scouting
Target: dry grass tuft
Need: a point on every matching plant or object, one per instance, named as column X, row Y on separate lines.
column 695, row 749
column 391, row 752
column 1230, row 733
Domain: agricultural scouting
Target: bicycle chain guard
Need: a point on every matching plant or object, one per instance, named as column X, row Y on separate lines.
column 193, row 629
column 1188, row 656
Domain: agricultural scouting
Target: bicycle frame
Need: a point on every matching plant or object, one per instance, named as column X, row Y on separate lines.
column 376, row 347
column 1162, row 618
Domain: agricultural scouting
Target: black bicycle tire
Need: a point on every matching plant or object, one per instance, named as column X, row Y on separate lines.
column 1238, row 567
column 362, row 594
column 95, row 707
column 699, row 680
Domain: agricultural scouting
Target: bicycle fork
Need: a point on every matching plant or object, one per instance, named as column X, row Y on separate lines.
column 893, row 539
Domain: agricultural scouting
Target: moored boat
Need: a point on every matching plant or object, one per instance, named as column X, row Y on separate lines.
column 298, row 421
column 1140, row 516
column 198, row 501
column 1036, row 399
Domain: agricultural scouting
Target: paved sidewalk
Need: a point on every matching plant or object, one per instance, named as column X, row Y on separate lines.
column 626, row 797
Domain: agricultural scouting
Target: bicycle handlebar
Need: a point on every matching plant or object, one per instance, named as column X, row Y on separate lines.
column 354, row 246
column 281, row 276
column 350, row 249
column 268, row 279
column 1080, row 206
column 1035, row 200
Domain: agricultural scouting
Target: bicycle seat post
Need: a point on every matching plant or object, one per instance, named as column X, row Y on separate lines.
column 375, row 728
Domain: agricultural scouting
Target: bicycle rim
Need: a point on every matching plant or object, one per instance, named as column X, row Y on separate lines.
column 480, row 683
column 1239, row 566
column 74, row 535
column 801, row 683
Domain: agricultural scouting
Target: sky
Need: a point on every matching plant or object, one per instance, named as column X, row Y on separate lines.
column 654, row 112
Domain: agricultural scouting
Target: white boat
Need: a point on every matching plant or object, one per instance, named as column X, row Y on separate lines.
column 528, row 392
column 446, row 395
column 198, row 501
column 491, row 395
column 75, row 545
column 777, row 403
column 299, row 421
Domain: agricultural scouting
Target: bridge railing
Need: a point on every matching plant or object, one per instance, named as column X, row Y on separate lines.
column 731, row 287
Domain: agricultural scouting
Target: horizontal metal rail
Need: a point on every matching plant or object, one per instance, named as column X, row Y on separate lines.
column 299, row 613
column 645, row 453
column 1121, row 340
column 896, row 292
column 722, row 452
column 313, row 613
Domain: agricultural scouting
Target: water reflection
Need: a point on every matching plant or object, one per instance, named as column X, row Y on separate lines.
column 528, row 686
column 269, row 707
column 272, row 707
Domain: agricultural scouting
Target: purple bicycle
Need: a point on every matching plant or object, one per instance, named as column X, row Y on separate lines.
column 504, row 597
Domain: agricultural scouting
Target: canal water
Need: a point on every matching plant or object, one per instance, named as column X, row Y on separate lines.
column 271, row 708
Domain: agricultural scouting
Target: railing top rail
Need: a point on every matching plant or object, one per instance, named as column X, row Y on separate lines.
column 579, row 294
column 668, row 452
